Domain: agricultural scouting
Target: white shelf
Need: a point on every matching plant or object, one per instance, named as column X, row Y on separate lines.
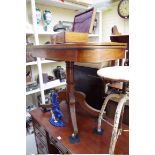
column 66, row 5
column 93, row 35
column 46, row 32
column 29, row 32
column 31, row 63
column 33, row 91
column 53, row 84
column 49, row 85
column 29, row 28
column 47, row 61
column 42, row 62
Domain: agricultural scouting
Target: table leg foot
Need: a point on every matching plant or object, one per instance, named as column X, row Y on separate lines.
column 98, row 132
column 59, row 123
column 74, row 138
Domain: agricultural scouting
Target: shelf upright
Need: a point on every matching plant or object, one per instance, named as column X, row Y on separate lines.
column 100, row 39
column 37, row 43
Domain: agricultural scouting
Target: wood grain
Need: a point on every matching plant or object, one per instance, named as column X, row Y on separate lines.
column 80, row 52
column 90, row 143
column 66, row 37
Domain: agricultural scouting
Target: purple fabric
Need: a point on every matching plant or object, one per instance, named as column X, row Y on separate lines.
column 82, row 21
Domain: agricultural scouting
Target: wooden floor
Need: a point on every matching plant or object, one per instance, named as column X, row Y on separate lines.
column 90, row 143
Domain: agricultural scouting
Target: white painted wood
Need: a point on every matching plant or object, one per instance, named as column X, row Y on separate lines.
column 101, row 4
column 115, row 72
column 53, row 84
column 29, row 32
column 33, row 91
column 93, row 35
column 37, row 43
column 66, row 5
column 41, row 80
column 32, row 73
column 97, row 35
column 47, row 61
column 31, row 63
column 100, row 27
column 34, row 22
column 116, row 131
column 46, row 32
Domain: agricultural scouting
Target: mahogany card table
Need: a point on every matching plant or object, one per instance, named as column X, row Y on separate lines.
column 78, row 52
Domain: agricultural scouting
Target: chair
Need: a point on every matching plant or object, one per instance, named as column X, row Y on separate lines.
column 114, row 74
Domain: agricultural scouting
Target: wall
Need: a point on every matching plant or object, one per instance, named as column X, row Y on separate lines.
column 111, row 18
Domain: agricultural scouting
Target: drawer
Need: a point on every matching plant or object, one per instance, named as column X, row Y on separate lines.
column 59, row 146
column 39, row 127
column 40, row 151
column 40, row 135
column 42, row 148
column 53, row 149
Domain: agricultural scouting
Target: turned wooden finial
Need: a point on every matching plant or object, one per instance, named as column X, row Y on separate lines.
column 115, row 31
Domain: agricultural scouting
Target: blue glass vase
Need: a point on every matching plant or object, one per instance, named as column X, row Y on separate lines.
column 56, row 118
column 38, row 15
column 47, row 17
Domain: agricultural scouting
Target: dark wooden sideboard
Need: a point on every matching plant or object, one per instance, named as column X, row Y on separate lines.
column 122, row 39
column 43, row 143
column 87, row 81
column 47, row 136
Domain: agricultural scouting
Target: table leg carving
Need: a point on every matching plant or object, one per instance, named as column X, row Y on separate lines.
column 80, row 98
column 72, row 96
column 62, row 95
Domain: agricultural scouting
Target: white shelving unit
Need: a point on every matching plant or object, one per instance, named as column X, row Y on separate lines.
column 93, row 35
column 33, row 91
column 38, row 35
column 31, row 63
column 46, row 33
column 53, row 84
column 29, row 32
column 49, row 85
column 42, row 62
column 46, row 61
